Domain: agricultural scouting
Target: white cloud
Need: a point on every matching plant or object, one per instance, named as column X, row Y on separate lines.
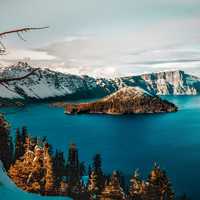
column 20, row 54
column 165, row 45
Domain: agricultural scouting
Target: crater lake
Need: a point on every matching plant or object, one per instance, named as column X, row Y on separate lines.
column 125, row 142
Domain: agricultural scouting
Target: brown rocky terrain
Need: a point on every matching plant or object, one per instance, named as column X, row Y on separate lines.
column 127, row 100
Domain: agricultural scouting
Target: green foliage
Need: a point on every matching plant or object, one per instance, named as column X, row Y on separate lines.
column 36, row 170
column 59, row 167
column 6, row 148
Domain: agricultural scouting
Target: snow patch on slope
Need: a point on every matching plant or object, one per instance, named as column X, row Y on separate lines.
column 6, row 92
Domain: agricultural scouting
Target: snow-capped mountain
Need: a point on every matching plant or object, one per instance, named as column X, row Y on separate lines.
column 45, row 83
column 166, row 83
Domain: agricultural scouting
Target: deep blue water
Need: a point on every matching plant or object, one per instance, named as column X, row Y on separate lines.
column 127, row 142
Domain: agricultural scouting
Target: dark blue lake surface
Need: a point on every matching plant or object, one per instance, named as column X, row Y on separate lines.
column 127, row 142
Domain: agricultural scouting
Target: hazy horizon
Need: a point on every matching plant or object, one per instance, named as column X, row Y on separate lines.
column 105, row 38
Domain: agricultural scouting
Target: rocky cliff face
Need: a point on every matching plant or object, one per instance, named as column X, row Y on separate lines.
column 127, row 100
column 166, row 83
column 45, row 84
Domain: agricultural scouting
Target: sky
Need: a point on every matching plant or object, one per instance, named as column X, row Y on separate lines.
column 104, row 38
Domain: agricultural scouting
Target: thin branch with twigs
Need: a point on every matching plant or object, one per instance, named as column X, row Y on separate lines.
column 5, row 80
column 19, row 34
column 3, row 49
column 21, row 30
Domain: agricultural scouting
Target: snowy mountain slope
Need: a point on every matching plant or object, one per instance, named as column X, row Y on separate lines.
column 9, row 191
column 42, row 83
column 45, row 83
column 166, row 83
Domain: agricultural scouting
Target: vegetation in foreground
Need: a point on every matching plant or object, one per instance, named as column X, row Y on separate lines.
column 34, row 167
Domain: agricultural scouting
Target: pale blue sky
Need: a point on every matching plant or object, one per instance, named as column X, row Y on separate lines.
column 105, row 37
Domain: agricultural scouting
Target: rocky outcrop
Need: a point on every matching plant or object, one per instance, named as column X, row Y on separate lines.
column 166, row 83
column 128, row 100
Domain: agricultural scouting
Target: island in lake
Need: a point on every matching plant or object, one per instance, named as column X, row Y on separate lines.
column 127, row 100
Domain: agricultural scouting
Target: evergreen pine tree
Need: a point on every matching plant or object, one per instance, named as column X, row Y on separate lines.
column 24, row 134
column 59, row 168
column 98, row 173
column 49, row 176
column 97, row 164
column 18, row 145
column 11, row 151
column 21, row 170
column 82, row 169
column 158, row 186
column 6, row 149
column 93, row 188
column 136, row 189
column 89, row 171
column 80, row 192
column 121, row 180
column 28, row 172
column 63, row 189
column 73, row 166
column 113, row 190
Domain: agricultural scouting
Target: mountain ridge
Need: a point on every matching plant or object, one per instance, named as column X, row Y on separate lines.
column 46, row 84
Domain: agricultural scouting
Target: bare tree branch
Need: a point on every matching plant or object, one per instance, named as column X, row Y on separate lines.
column 21, row 30
column 19, row 34
column 6, row 80
column 3, row 49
